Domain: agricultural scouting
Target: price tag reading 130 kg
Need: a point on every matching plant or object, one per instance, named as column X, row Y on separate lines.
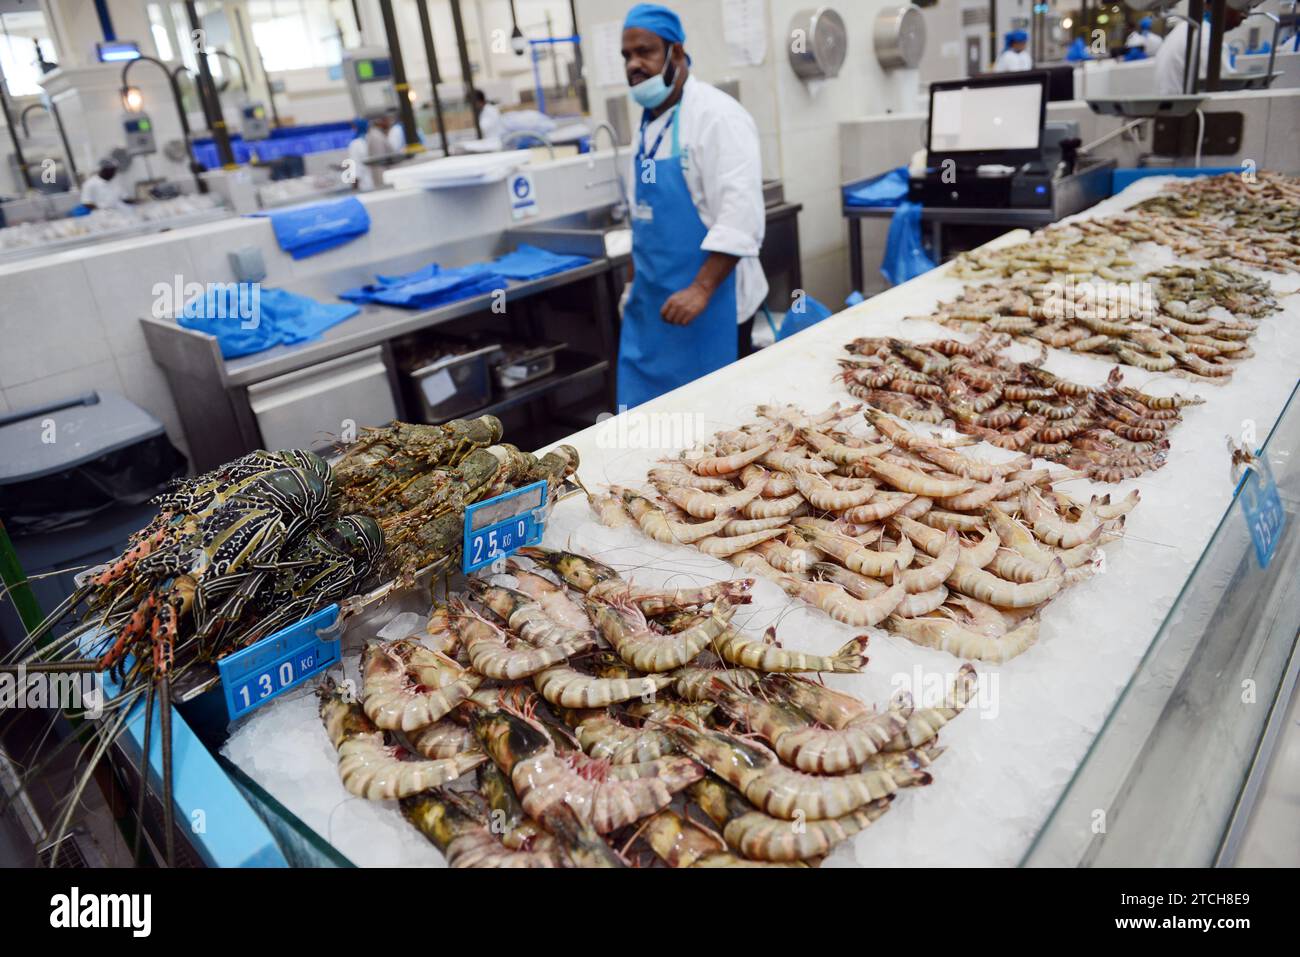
column 503, row 525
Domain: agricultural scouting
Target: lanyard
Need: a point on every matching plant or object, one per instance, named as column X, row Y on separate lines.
column 654, row 150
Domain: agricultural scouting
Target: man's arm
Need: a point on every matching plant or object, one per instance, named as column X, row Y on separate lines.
column 685, row 305
column 731, row 171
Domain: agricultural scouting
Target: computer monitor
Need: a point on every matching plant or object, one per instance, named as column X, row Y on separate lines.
column 981, row 120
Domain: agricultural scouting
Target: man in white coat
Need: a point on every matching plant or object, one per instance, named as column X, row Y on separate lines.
column 1014, row 57
column 698, row 217
column 1171, row 59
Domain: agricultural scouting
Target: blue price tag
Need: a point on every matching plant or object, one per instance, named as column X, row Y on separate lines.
column 503, row 525
column 1263, row 510
column 252, row 677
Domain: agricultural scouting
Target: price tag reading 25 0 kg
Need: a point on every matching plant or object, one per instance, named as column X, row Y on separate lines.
column 503, row 525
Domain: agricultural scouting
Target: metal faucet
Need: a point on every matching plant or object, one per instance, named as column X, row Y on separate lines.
column 619, row 212
column 523, row 134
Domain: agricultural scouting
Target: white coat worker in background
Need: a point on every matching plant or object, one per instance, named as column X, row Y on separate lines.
column 1014, row 57
column 489, row 116
column 1171, row 60
column 1143, row 39
column 358, row 153
column 698, row 218
column 99, row 191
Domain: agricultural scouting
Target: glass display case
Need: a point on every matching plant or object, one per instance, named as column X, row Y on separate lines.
column 1171, row 778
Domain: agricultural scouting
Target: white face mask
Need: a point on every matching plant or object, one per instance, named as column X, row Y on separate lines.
column 652, row 92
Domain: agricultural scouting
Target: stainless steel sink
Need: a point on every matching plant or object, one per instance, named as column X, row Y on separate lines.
column 582, row 234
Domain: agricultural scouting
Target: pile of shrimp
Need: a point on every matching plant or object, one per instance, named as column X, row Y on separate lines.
column 1191, row 321
column 1109, row 433
column 608, row 724
column 879, row 525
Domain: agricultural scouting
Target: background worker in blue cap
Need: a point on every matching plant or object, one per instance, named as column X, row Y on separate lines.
column 1014, row 57
column 1143, row 39
column 697, row 218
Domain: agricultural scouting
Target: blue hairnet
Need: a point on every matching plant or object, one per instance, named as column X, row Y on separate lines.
column 1144, row 23
column 361, row 125
column 658, row 19
column 1017, row 36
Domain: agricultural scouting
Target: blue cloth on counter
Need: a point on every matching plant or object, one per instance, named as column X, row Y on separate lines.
column 887, row 189
column 530, row 262
column 433, row 285
column 905, row 257
column 247, row 318
column 803, row 315
column 1134, row 53
column 304, row 231
column 427, row 288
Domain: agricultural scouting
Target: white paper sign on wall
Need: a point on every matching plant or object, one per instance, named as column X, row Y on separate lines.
column 523, row 195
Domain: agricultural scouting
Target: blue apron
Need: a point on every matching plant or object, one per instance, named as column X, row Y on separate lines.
column 655, row 356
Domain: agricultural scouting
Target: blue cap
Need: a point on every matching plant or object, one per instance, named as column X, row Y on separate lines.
column 1017, row 36
column 1144, row 23
column 658, row 19
column 361, row 125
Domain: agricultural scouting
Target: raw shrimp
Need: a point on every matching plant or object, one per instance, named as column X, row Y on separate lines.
column 1051, row 528
column 772, row 507
column 561, row 685
column 493, row 655
column 924, row 723
column 775, row 484
column 720, row 547
column 932, row 576
column 543, row 779
column 625, row 628
column 700, row 504
column 578, row 571
column 441, row 633
column 851, row 554
column 917, row 483
column 825, row 497
column 442, row 739
column 373, row 770
column 467, row 841
column 988, row 587
column 763, row 838
column 555, row 603
column 833, row 708
column 747, row 526
column 609, row 511
column 881, row 506
column 528, row 619
column 767, row 655
column 835, row 601
column 922, row 603
column 956, row 639
column 729, row 464
column 758, row 774
column 657, row 526
column 407, row 686
column 661, row 477
column 800, row 744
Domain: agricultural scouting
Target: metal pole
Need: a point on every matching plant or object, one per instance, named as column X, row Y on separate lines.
column 208, row 93
column 993, row 33
column 1218, row 24
column 1191, row 62
column 435, row 74
column 577, row 59
column 47, row 104
column 399, row 78
column 466, row 72
column 13, row 132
